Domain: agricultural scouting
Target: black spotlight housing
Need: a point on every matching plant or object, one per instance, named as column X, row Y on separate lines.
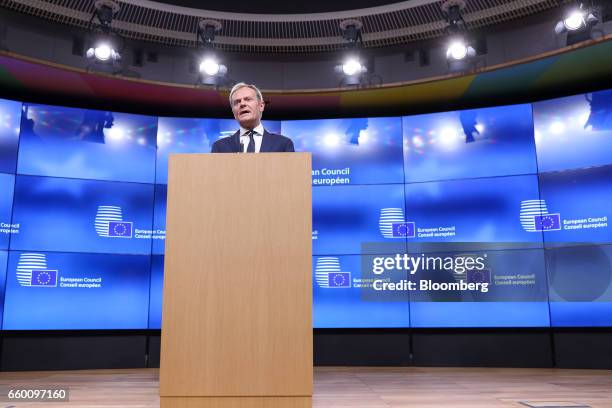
column 210, row 70
column 105, row 11
column 208, row 29
column 104, row 46
column 578, row 23
column 459, row 51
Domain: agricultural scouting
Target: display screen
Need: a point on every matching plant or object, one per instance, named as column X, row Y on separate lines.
column 580, row 285
column 574, row 132
column 345, row 217
column 90, row 144
column 512, row 291
column 58, row 214
column 157, row 285
column 60, row 291
column 470, row 143
column 343, row 298
column 577, row 207
column 491, row 217
column 7, row 184
column 3, row 264
column 350, row 151
column 472, row 210
column 159, row 219
column 10, row 118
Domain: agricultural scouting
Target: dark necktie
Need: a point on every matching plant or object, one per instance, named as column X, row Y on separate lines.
column 251, row 146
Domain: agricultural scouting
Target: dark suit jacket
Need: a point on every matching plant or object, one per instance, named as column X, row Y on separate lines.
column 271, row 142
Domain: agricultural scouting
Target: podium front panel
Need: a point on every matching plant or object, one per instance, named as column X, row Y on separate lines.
column 237, row 313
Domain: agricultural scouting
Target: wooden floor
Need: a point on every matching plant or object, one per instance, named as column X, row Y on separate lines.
column 353, row 387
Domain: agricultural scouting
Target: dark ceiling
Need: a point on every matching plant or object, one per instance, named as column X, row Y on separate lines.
column 279, row 6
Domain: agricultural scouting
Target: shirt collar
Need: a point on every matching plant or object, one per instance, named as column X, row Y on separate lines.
column 259, row 130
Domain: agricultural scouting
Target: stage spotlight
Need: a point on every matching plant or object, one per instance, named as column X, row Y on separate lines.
column 352, row 71
column 458, row 50
column 575, row 21
column 578, row 24
column 209, row 66
column 103, row 52
column 211, row 72
column 352, row 66
column 103, row 42
column 459, row 55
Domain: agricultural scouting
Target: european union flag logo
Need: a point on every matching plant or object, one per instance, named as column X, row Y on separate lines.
column 403, row 229
column 339, row 279
column 478, row 276
column 121, row 229
column 547, row 222
column 44, row 278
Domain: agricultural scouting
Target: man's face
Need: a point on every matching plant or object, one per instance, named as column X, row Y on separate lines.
column 246, row 108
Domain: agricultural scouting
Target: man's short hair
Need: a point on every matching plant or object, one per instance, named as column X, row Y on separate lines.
column 240, row 85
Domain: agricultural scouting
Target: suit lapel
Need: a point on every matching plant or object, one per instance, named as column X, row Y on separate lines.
column 236, row 141
column 266, row 142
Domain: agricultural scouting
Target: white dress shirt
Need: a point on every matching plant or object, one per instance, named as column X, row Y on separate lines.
column 257, row 136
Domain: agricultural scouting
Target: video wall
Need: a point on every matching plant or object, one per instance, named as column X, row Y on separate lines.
column 492, row 217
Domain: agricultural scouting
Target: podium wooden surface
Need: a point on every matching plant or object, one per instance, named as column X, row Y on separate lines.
column 237, row 312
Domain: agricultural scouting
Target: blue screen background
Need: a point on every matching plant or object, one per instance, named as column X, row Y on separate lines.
column 82, row 143
column 352, row 307
column 481, row 210
column 7, row 185
column 159, row 219
column 343, row 217
column 471, row 143
column 577, row 195
column 157, row 285
column 121, row 302
column 476, row 171
column 574, row 132
column 371, row 148
column 518, row 296
column 10, row 118
column 580, row 285
column 3, row 265
column 57, row 214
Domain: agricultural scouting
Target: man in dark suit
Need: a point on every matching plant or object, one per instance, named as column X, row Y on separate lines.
column 247, row 106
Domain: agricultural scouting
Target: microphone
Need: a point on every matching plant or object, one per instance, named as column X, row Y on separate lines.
column 241, row 148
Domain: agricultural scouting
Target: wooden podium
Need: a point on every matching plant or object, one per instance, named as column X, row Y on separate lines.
column 237, row 311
